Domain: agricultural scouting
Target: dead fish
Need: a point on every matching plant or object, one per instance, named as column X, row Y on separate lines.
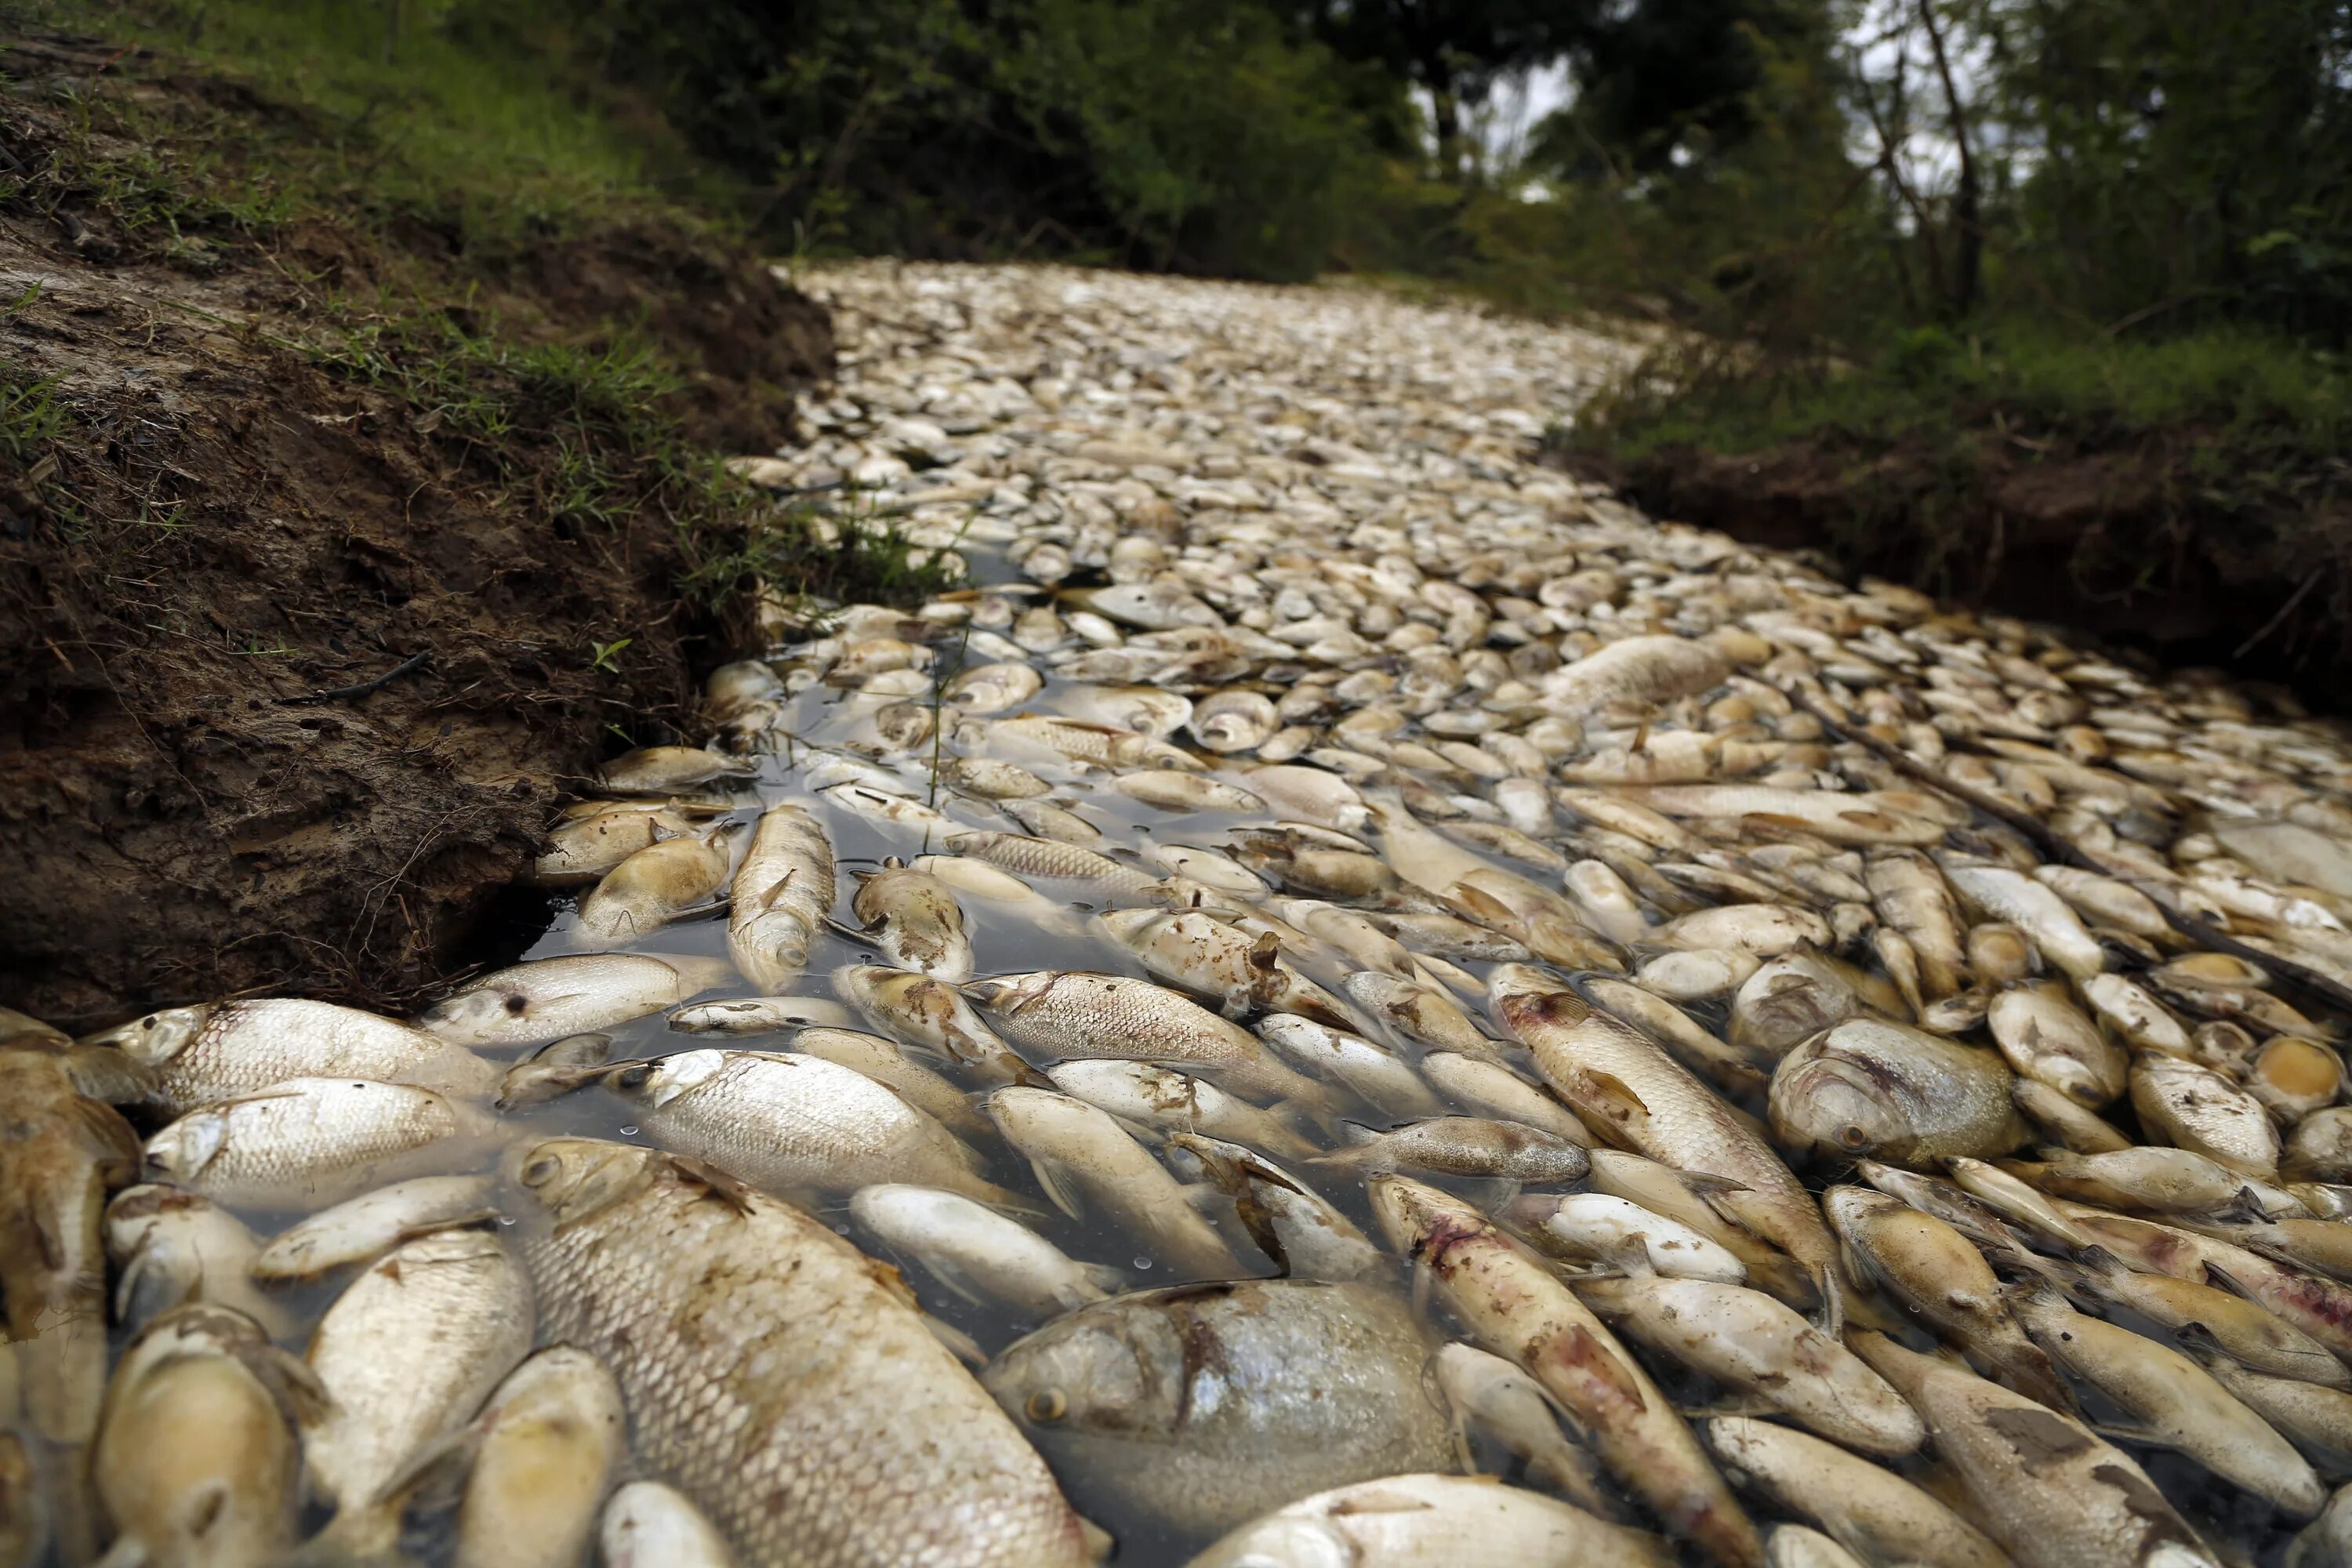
column 1876, row 1089
column 544, row 1451
column 1513, row 1303
column 1374, row 1072
column 1878, row 1516
column 1636, row 669
column 1405, row 1521
column 1233, row 721
column 913, row 920
column 2168, row 1181
column 60, row 1155
column 309, row 1142
column 1621, row 1233
column 1208, row 957
column 1474, row 1083
column 1146, row 710
column 740, row 1016
column 1616, row 1079
column 1489, row 1392
column 993, row 780
column 1171, row 789
column 1289, row 1221
column 861, row 1440
column 1999, row 893
column 361, row 1229
column 196, row 1462
column 1421, row 1014
column 224, row 1049
column 2192, row 1107
column 659, row 884
column 1786, row 1002
column 930, row 1014
column 1043, row 859
column 780, row 898
column 2174, row 1402
column 405, row 1356
column 1068, row 1014
column 1912, row 897
column 669, row 770
column 173, row 1248
column 552, row 1071
column 649, row 1525
column 1466, row 1146
column 2050, row 1492
column 2046, row 1037
column 786, row 1122
column 992, row 687
column 1168, row 1101
column 1082, row 1157
column 1200, row 1406
column 582, row 850
column 1731, row 1067
column 2245, row 1331
column 546, row 998
column 1941, row 1276
column 1747, row 1341
column 979, row 1254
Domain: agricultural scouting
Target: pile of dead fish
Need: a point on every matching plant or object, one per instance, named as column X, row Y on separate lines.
column 1396, row 1012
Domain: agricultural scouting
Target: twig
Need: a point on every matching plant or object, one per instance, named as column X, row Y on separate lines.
column 412, row 662
column 2059, row 847
column 2284, row 611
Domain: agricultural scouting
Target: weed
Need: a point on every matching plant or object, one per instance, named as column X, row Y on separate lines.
column 605, row 656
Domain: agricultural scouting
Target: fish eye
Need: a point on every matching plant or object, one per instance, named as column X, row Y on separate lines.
column 517, row 1005
column 1853, row 1137
column 540, row 1171
column 634, row 1076
column 1046, row 1405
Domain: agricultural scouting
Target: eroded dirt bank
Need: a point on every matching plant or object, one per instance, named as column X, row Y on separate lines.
column 210, row 532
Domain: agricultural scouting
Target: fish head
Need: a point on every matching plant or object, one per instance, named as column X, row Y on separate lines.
column 181, row 1152
column 1412, row 1213
column 1129, row 926
column 1111, row 1374
column 654, row 1083
column 157, row 1038
column 1009, row 994
column 1837, row 1105
column 571, row 1178
column 479, row 1013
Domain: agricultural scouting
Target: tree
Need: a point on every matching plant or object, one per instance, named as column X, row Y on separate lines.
column 1456, row 50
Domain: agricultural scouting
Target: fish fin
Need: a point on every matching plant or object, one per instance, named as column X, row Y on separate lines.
column 127, row 1290
column 2132, row 1432
column 435, row 1477
column 1609, row 1097
column 847, row 932
column 2221, row 1279
column 1055, row 1180
column 1581, row 1349
column 2243, row 1209
column 1502, row 1192
column 2201, row 1341
column 961, row 1345
column 1104, row 1278
column 1829, row 1281
column 2027, row 1371
column 108, row 1138
column 775, row 890
column 715, row 1182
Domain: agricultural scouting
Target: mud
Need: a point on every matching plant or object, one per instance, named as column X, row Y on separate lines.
column 203, row 535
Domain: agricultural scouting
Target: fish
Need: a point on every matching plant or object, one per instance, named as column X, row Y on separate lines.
column 404, row 1356
column 1636, row 669
column 2174, row 1402
column 2001, row 893
column 1618, row 1081
column 197, row 1461
column 1421, row 1521
column 1233, row 721
column 1621, row 1233
column 1083, row 1158
column 1747, row 1341
column 1173, row 790
column 1199, row 1406
column 171, row 1247
column 1069, row 1015
column 1169, row 1101
column 1868, row 1087
column 670, row 770
column 1491, row 1090
column 1043, row 860
column 581, row 851
column 1936, row 1271
column 2190, row 1106
column 977, row 1253
column 1290, row 1222
column 993, row 779
column 1789, row 1000
column 934, row 1014
column 787, row 1122
column 649, row 1525
column 1204, row 955
column 1875, row 1514
column 780, row 898
column 912, row 918
column 737, row 1016
column 361, row 1229
column 223, row 1049
column 2046, row 1486
column 1912, row 897
column 553, row 1070
column 60, row 1153
column 1420, row 1013
column 1466, row 1146
column 894, row 1066
column 1499, row 1399
column 660, row 883
column 1377, row 1074
column 821, row 1424
column 308, row 1142
column 2044, row 1037
column 1514, row 1306
column 984, row 689
column 545, row 999
column 544, row 1451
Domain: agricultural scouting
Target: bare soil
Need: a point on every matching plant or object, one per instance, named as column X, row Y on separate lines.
column 208, row 536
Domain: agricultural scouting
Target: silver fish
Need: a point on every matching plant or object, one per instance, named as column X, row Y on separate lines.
column 780, row 897
column 547, row 998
